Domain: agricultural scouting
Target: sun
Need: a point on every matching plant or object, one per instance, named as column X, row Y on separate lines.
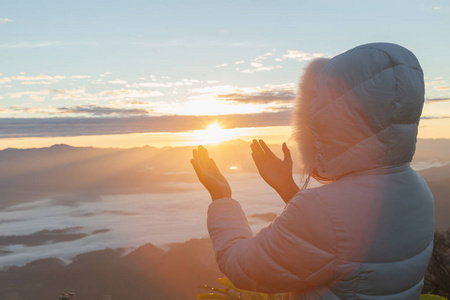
column 214, row 133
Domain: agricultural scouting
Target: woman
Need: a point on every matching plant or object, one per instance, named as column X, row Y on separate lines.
column 368, row 232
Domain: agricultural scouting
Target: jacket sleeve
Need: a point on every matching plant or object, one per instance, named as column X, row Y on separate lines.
column 296, row 252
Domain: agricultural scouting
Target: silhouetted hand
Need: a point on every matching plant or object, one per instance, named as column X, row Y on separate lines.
column 276, row 172
column 209, row 175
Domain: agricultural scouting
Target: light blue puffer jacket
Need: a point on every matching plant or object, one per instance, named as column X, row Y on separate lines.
column 367, row 235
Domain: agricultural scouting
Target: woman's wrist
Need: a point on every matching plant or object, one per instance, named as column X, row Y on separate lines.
column 225, row 194
column 288, row 190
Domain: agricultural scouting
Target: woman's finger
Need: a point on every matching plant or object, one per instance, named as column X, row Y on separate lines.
column 266, row 149
column 203, row 157
column 257, row 160
column 198, row 169
column 213, row 165
column 257, row 151
column 287, row 153
column 195, row 154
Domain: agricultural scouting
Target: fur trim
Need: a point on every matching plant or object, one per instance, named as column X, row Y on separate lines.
column 300, row 118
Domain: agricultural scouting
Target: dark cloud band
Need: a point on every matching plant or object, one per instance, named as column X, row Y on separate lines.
column 262, row 97
column 60, row 127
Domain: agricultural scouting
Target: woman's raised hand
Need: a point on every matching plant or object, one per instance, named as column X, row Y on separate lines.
column 209, row 175
column 276, row 172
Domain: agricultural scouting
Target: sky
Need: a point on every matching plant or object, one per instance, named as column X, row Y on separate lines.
column 131, row 73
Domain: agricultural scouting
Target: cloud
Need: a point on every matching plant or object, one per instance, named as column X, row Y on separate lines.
column 228, row 99
column 256, row 95
column 101, row 110
column 434, row 117
column 67, row 92
column 6, row 21
column 91, row 109
column 33, row 80
column 39, row 77
column 80, row 76
column 262, row 57
column 214, row 89
column 33, row 110
column 260, row 97
column 442, row 88
column 260, row 69
column 435, row 82
column 222, row 65
column 37, row 82
column 256, row 64
column 136, row 102
column 59, row 127
column 184, row 82
column 105, row 74
column 38, row 93
column 44, row 237
column 106, row 212
column 300, row 55
column 5, row 80
column 117, row 81
column 57, row 93
column 130, row 93
column 438, row 99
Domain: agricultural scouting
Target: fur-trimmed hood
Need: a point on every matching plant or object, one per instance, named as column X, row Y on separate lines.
column 358, row 111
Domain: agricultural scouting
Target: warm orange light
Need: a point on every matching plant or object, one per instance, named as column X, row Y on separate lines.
column 212, row 134
column 272, row 135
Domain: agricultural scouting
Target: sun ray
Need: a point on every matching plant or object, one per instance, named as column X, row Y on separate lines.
column 214, row 133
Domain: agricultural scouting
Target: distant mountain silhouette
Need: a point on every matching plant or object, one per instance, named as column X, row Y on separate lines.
column 65, row 173
column 438, row 180
column 147, row 273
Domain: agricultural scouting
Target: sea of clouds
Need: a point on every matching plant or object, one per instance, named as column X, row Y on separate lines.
column 122, row 221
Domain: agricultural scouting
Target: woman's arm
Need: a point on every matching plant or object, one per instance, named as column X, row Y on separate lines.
column 294, row 253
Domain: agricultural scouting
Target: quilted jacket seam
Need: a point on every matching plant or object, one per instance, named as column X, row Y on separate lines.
column 385, row 52
column 361, row 141
column 394, row 110
column 353, row 88
column 391, row 294
column 358, row 281
column 388, row 262
column 371, row 77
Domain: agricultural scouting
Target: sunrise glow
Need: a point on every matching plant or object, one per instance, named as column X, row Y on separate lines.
column 212, row 134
